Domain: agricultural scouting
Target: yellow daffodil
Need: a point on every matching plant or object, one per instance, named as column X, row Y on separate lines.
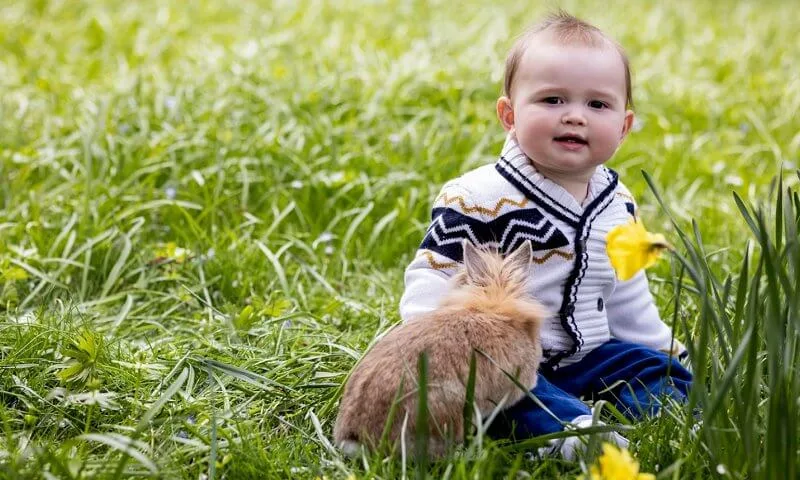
column 631, row 248
column 170, row 252
column 616, row 464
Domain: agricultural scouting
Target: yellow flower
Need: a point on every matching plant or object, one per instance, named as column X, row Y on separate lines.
column 279, row 71
column 14, row 273
column 170, row 252
column 616, row 464
column 631, row 248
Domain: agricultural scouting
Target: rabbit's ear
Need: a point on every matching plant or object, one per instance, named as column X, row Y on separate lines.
column 518, row 262
column 474, row 263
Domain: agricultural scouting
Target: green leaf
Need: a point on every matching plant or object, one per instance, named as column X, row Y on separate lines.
column 277, row 308
column 244, row 321
column 70, row 372
column 15, row 273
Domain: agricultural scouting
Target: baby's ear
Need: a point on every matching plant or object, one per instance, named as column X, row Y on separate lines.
column 627, row 124
column 475, row 264
column 518, row 263
column 505, row 113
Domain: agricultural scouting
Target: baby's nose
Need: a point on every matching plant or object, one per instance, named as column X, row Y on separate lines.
column 574, row 116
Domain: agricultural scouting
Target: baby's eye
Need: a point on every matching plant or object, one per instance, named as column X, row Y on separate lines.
column 597, row 104
column 552, row 100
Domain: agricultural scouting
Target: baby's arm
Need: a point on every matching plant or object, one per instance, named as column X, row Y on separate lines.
column 427, row 276
column 425, row 287
column 632, row 313
column 633, row 317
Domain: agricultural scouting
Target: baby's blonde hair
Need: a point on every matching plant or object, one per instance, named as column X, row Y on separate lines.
column 568, row 30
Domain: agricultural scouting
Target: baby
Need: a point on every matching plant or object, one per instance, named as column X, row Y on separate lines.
column 566, row 109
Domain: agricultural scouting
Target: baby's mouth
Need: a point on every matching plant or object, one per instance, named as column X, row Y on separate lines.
column 571, row 139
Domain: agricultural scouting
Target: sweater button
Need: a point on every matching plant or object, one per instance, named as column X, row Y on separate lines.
column 599, row 304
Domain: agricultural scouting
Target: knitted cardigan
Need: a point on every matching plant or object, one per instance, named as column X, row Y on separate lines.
column 504, row 204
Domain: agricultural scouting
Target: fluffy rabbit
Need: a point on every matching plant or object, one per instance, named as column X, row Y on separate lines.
column 488, row 309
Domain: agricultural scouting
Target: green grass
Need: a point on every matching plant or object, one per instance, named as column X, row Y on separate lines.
column 295, row 148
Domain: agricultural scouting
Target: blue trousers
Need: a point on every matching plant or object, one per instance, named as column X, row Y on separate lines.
column 631, row 377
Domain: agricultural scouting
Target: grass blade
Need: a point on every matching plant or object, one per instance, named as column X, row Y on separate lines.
column 470, row 397
column 152, row 412
column 116, row 270
column 423, row 429
column 125, row 445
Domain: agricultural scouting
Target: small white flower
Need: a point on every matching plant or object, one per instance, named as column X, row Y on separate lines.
column 744, row 127
column 734, row 180
column 94, row 397
column 638, row 124
column 297, row 184
column 335, row 177
column 171, row 103
column 26, row 318
column 325, row 237
column 394, row 138
column 721, row 469
column 104, row 400
column 170, row 193
column 329, row 250
column 211, row 253
column 249, row 50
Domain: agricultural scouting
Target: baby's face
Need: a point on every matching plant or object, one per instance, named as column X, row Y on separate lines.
column 569, row 105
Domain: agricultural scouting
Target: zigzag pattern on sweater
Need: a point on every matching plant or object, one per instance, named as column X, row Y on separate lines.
column 433, row 263
column 491, row 212
column 450, row 227
column 566, row 255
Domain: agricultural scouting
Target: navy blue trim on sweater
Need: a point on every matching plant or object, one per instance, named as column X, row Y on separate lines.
column 449, row 227
column 534, row 193
column 631, row 209
column 567, row 311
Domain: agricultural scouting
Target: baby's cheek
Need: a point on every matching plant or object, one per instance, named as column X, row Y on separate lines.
column 606, row 144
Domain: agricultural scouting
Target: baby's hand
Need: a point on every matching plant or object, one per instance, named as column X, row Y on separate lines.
column 678, row 350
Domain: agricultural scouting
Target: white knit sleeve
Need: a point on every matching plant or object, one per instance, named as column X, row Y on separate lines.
column 427, row 276
column 424, row 288
column 633, row 317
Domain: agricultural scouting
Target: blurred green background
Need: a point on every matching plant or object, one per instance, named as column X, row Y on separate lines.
column 183, row 183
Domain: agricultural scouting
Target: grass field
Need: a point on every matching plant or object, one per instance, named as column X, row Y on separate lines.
column 206, row 209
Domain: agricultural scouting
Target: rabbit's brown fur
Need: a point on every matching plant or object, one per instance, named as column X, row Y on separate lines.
column 488, row 309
